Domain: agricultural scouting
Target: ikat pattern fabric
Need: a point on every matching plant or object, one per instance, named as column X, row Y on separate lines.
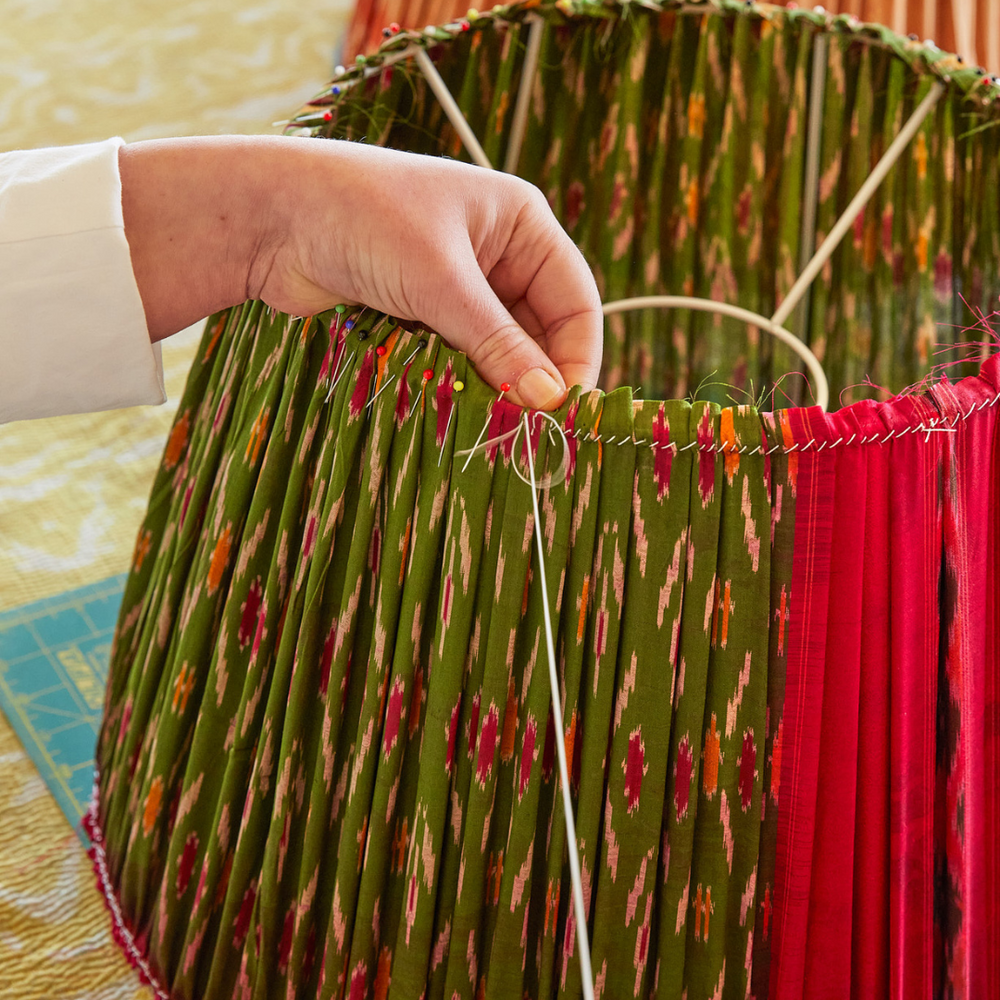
column 327, row 766
column 671, row 143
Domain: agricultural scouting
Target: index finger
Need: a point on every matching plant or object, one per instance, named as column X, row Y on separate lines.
column 546, row 284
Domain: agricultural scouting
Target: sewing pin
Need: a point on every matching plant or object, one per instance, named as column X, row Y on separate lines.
column 447, row 427
column 420, row 347
column 379, row 393
column 428, row 375
column 504, row 387
column 333, row 372
column 340, row 376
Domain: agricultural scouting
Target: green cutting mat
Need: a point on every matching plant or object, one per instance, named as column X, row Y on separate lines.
column 53, row 668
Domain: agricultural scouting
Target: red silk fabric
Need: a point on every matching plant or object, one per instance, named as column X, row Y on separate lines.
column 886, row 868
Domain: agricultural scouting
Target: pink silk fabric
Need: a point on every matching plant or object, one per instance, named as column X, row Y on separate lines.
column 889, row 823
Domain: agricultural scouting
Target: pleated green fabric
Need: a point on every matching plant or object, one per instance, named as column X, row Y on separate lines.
column 327, row 766
column 328, row 755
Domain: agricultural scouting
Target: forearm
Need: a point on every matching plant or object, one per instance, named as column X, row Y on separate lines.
column 196, row 214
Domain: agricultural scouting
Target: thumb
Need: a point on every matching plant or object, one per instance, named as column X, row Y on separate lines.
column 503, row 353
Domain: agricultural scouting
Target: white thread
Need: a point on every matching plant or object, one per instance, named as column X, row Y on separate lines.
column 928, row 431
column 483, row 445
column 557, row 720
column 559, row 475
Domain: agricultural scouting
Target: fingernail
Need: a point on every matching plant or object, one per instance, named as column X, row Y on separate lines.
column 539, row 390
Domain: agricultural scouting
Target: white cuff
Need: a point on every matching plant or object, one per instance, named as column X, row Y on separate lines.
column 73, row 334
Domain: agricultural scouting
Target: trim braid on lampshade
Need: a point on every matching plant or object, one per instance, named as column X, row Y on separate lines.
column 328, row 760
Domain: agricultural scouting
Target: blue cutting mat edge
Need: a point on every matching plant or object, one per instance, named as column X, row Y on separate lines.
column 79, row 623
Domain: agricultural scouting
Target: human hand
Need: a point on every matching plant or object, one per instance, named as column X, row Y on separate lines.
column 304, row 225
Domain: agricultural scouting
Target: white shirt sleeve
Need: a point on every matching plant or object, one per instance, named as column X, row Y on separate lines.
column 73, row 334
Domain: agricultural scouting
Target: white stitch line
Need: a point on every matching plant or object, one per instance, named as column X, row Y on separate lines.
column 924, row 428
column 810, row 445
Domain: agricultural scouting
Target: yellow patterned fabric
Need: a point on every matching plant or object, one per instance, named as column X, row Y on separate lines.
column 73, row 489
column 81, row 70
column 55, row 939
column 72, row 493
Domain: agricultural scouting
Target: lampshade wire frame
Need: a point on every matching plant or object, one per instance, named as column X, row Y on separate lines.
column 858, row 202
column 821, row 385
column 814, row 144
column 451, row 109
column 536, row 28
